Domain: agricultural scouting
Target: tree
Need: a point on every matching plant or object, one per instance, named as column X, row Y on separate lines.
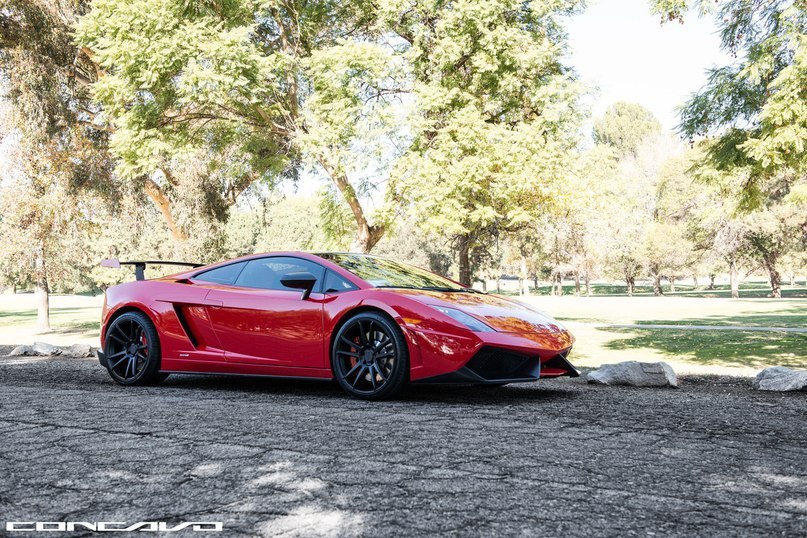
column 56, row 154
column 625, row 127
column 43, row 224
column 665, row 251
column 253, row 88
column 495, row 118
column 624, row 201
column 754, row 109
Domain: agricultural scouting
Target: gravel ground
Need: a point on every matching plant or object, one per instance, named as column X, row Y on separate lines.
column 273, row 457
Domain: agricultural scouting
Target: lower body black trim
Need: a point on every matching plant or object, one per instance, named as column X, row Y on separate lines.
column 562, row 363
column 101, row 357
column 466, row 375
column 232, row 374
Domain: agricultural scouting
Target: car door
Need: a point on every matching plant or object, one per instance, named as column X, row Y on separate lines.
column 258, row 320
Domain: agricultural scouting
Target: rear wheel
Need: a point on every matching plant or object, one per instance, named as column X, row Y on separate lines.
column 370, row 359
column 132, row 349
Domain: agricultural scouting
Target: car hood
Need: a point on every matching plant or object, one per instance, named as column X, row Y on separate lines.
column 501, row 314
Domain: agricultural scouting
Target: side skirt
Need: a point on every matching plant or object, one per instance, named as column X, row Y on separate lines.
column 229, row 374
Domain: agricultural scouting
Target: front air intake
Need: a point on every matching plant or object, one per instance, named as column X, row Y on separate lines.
column 496, row 364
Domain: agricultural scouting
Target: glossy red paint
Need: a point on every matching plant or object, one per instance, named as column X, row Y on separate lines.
column 210, row 328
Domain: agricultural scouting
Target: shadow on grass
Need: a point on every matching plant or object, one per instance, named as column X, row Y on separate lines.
column 724, row 348
column 31, row 314
column 791, row 315
column 22, row 314
column 794, row 316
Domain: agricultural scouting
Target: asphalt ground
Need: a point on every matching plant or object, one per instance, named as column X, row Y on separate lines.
column 293, row 458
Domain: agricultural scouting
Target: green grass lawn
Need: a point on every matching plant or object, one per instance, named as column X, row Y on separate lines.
column 597, row 345
column 786, row 312
column 73, row 319
column 728, row 348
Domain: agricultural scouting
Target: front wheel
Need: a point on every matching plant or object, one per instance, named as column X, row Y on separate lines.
column 132, row 349
column 370, row 359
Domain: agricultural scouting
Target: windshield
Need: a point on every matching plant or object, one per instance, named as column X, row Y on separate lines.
column 383, row 273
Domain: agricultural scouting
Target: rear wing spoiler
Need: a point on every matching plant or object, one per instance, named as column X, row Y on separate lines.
column 140, row 266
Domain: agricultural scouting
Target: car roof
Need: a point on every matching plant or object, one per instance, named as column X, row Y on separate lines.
column 310, row 256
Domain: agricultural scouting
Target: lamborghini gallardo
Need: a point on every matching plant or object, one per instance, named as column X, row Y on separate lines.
column 372, row 324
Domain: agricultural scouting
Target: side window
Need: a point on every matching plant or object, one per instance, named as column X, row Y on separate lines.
column 335, row 283
column 266, row 273
column 222, row 275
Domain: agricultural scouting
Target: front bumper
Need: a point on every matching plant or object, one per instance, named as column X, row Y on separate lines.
column 492, row 358
column 491, row 366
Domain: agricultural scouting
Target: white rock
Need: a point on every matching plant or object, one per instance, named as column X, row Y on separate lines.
column 637, row 374
column 41, row 348
column 780, row 378
column 77, row 351
column 21, row 351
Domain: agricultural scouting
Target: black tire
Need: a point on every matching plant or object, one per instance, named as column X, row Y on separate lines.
column 132, row 349
column 369, row 357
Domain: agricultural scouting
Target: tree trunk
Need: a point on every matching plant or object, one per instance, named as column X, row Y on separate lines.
column 630, row 282
column 557, row 286
column 498, row 284
column 734, row 277
column 41, row 291
column 577, row 283
column 485, row 284
column 672, row 284
column 525, row 286
column 155, row 192
column 657, row 285
column 535, row 281
column 792, row 280
column 587, row 282
column 464, row 259
column 774, row 276
column 694, row 282
column 367, row 235
column 712, row 277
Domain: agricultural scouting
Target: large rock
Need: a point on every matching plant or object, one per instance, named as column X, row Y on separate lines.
column 41, row 348
column 637, row 374
column 780, row 378
column 78, row 351
column 22, row 351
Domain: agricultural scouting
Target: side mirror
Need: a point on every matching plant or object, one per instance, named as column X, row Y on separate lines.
column 112, row 263
column 300, row 281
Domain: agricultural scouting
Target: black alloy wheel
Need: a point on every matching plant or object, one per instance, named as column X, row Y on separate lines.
column 370, row 358
column 132, row 349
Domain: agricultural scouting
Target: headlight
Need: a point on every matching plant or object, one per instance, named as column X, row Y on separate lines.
column 467, row 320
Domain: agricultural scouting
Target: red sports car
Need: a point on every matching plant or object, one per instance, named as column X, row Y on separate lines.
column 371, row 323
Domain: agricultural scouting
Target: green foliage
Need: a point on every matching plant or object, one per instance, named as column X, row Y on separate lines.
column 282, row 223
column 246, row 90
column 625, row 126
column 335, row 218
column 495, row 118
column 665, row 249
column 187, row 86
column 755, row 109
column 44, row 227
